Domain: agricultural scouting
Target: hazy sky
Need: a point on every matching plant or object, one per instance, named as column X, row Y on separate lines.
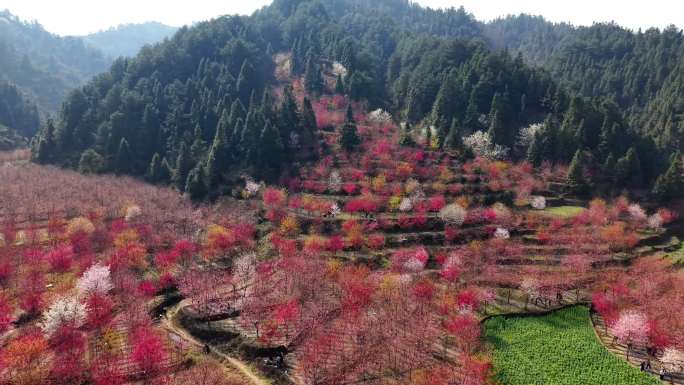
column 67, row 17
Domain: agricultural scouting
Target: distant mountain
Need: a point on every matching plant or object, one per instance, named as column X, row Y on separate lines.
column 127, row 39
column 44, row 66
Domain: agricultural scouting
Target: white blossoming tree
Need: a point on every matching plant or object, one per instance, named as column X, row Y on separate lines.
column 95, row 280
column 526, row 135
column 453, row 214
column 538, row 202
column 655, row 221
column 132, row 213
column 636, row 212
column 379, row 116
column 405, row 205
column 338, row 69
column 482, row 145
column 335, row 181
column 65, row 311
column 502, row 233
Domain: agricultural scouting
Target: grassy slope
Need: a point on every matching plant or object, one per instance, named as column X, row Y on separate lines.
column 556, row 349
column 564, row 211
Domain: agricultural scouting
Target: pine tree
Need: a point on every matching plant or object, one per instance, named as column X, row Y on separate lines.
column 220, row 144
column 245, row 81
column 289, row 119
column 199, row 145
column 628, row 169
column 309, row 125
column 535, row 153
column 405, row 138
column 453, row 139
column 339, row 85
column 471, row 121
column 195, row 186
column 184, row 165
column 313, row 81
column 576, row 177
column 213, row 169
column 271, row 146
column 497, row 129
column 122, row 162
column 609, row 168
column 154, row 170
column 446, row 104
column 165, row 172
column 349, row 138
column 670, row 184
column 46, row 146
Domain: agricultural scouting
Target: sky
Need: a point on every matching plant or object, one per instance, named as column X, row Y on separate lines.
column 79, row 17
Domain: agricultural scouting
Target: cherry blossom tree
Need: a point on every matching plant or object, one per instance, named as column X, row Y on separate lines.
column 95, row 280
column 65, row 311
column 631, row 327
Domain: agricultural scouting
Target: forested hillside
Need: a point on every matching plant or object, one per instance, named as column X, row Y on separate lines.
column 19, row 119
column 44, row 66
column 207, row 100
column 127, row 39
column 641, row 71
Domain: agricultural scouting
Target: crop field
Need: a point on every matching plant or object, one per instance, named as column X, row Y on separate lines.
column 556, row 349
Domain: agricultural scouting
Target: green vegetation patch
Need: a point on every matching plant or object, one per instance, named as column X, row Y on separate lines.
column 677, row 256
column 556, row 349
column 564, row 211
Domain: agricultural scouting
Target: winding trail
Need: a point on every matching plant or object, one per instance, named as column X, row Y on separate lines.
column 168, row 323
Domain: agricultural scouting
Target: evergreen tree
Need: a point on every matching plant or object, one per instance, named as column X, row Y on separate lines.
column 576, row 174
column 309, row 125
column 471, row 121
column 199, row 145
column 220, row 145
column 349, row 139
column 313, row 81
column 446, row 104
column 195, row 186
column 184, row 165
column 453, row 139
column 213, row 169
column 165, row 172
column 609, row 168
column 670, row 184
column 497, row 130
column 628, row 169
column 339, row 85
column 289, row 120
column 91, row 162
column 46, row 146
column 122, row 162
column 245, row 81
column 271, row 146
column 405, row 138
column 535, row 153
column 154, row 170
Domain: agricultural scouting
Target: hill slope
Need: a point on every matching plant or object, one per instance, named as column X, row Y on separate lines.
column 127, row 39
column 43, row 65
column 430, row 68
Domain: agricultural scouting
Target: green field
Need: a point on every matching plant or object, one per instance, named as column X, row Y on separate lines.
column 564, row 211
column 557, row 349
column 677, row 256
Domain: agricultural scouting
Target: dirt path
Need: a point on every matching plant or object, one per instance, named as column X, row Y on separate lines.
column 171, row 327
